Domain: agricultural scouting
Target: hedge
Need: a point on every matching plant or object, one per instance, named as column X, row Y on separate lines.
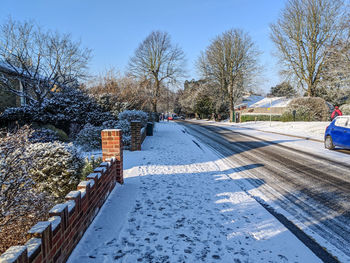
column 245, row 118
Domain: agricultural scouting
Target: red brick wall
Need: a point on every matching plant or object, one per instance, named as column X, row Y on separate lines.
column 112, row 146
column 55, row 239
column 135, row 136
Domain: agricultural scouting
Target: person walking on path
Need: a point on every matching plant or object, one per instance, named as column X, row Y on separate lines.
column 337, row 112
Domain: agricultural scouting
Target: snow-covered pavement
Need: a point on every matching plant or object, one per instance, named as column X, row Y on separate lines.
column 178, row 204
column 312, row 130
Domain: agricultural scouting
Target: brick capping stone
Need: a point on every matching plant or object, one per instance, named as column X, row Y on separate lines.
column 55, row 239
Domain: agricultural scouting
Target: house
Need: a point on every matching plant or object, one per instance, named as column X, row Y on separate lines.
column 7, row 98
column 255, row 105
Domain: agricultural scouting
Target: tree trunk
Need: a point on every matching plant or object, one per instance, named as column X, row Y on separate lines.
column 156, row 95
column 232, row 110
column 311, row 91
column 154, row 105
column 311, row 87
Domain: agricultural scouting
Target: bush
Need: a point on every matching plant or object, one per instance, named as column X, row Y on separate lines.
column 43, row 135
column 56, row 167
column 90, row 165
column 124, row 125
column 245, row 118
column 21, row 201
column 307, row 109
column 345, row 109
column 65, row 107
column 111, row 103
column 47, row 133
column 134, row 115
column 62, row 135
column 89, row 138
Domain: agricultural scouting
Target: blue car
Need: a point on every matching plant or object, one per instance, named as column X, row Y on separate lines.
column 338, row 133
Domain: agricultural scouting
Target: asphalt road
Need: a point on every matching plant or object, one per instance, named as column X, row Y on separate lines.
column 312, row 190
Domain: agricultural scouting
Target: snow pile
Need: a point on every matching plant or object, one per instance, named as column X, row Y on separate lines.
column 179, row 204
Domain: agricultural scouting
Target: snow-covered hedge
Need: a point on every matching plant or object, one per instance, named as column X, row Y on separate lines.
column 56, row 167
column 307, row 109
column 63, row 108
column 134, row 115
column 345, row 109
column 89, row 138
column 111, row 103
column 48, row 133
column 124, row 125
column 44, row 135
column 21, row 201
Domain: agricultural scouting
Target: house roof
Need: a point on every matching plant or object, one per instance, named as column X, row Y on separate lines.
column 256, row 101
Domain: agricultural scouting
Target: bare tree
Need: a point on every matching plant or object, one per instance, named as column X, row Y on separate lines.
column 116, row 92
column 302, row 34
column 231, row 62
column 156, row 60
column 40, row 61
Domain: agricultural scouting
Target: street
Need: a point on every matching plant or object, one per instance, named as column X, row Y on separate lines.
column 305, row 190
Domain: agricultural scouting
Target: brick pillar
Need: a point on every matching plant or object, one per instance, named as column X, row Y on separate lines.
column 112, row 147
column 135, row 136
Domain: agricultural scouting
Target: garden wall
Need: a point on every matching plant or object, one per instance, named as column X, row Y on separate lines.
column 54, row 240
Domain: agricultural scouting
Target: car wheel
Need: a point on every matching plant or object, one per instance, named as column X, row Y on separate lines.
column 328, row 143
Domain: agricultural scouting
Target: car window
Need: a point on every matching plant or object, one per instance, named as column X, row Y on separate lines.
column 341, row 122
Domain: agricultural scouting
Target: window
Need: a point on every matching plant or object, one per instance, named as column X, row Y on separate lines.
column 341, row 122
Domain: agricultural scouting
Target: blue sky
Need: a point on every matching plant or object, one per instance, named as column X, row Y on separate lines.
column 113, row 29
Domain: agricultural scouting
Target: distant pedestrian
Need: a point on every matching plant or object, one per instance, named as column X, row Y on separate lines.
column 337, row 112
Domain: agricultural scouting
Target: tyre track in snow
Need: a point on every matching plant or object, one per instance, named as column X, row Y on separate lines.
column 301, row 184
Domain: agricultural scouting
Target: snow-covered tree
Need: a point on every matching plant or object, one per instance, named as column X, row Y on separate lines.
column 41, row 60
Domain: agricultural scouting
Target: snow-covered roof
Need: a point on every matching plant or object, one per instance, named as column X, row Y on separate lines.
column 271, row 102
column 250, row 100
column 8, row 69
column 256, row 101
